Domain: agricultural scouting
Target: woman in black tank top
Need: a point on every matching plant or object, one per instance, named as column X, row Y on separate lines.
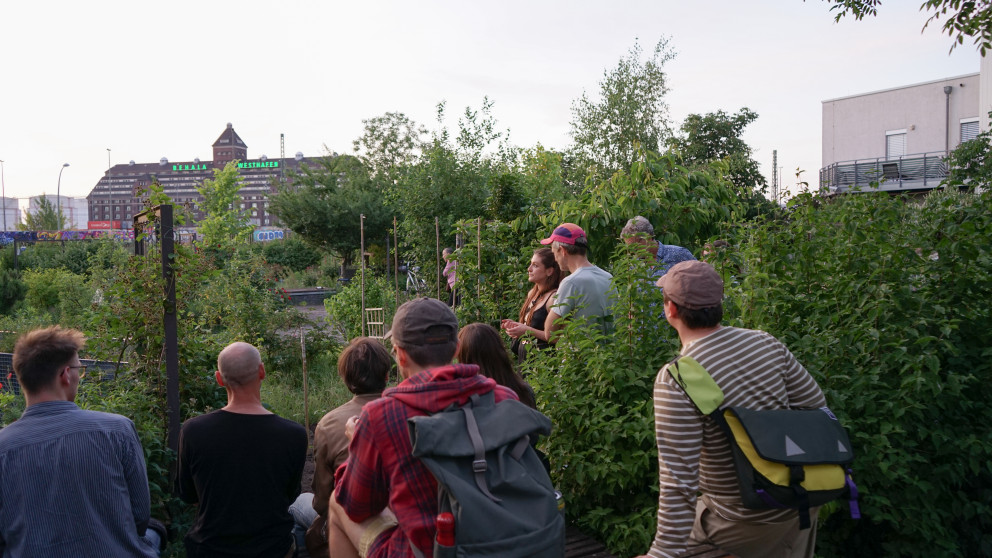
column 529, row 329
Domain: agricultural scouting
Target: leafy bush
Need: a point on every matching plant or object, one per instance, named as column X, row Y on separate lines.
column 597, row 389
column 12, row 290
column 291, row 253
column 344, row 309
column 885, row 302
column 61, row 293
column 73, row 255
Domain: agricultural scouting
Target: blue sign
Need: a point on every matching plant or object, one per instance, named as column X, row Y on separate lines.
column 265, row 236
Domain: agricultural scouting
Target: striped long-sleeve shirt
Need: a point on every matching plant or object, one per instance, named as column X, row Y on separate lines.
column 754, row 370
column 72, row 483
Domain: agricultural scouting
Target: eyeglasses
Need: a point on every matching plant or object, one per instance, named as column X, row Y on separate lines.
column 82, row 370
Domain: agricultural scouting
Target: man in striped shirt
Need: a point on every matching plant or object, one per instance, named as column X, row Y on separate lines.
column 754, row 370
column 72, row 482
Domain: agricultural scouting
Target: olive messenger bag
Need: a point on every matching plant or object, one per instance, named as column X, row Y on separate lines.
column 788, row 458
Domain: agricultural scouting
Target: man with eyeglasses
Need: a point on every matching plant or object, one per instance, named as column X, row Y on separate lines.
column 72, row 482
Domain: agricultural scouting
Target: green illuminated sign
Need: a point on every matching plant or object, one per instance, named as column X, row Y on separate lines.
column 196, row 167
column 258, row 165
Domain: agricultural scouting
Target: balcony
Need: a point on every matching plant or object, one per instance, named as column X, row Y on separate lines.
column 923, row 171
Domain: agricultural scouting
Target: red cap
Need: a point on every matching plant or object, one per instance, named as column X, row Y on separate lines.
column 567, row 233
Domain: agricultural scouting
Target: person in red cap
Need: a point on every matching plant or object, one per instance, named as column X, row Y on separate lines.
column 586, row 292
column 755, row 371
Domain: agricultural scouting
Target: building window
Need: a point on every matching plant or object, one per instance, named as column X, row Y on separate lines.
column 969, row 129
column 895, row 144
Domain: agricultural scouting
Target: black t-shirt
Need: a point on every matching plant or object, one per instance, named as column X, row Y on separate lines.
column 244, row 471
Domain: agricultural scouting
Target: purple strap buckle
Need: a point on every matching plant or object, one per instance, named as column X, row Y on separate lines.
column 853, row 497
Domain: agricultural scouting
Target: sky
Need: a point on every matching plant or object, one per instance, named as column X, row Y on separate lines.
column 150, row 80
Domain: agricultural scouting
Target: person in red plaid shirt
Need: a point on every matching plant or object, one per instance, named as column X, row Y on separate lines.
column 384, row 498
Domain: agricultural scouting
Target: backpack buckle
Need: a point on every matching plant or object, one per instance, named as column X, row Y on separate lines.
column 479, row 466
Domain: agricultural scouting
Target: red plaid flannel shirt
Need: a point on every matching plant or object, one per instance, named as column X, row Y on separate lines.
column 380, row 471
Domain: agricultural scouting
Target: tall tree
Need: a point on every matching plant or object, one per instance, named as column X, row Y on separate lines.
column 962, row 18
column 389, row 144
column 46, row 218
column 630, row 112
column 452, row 181
column 716, row 136
column 324, row 205
column 225, row 222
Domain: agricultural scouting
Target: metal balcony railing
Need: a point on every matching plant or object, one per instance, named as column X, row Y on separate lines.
column 909, row 172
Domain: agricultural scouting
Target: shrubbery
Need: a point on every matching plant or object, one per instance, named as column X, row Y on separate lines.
column 291, row 253
column 886, row 302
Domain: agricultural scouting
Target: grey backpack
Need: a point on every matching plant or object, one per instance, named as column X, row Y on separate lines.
column 490, row 479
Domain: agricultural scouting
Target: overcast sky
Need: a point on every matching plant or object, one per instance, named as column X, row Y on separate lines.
column 150, row 80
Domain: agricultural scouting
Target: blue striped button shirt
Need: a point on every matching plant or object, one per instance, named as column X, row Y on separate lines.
column 72, row 483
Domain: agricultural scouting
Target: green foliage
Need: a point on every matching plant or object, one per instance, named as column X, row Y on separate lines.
column 47, row 217
column 390, row 144
column 630, row 114
column 11, row 406
column 344, row 309
column 970, row 164
column 497, row 288
column 324, row 205
column 452, row 181
column 967, row 18
column 225, row 223
column 291, row 253
column 73, row 256
column 597, row 390
column 282, row 390
column 717, row 136
column 883, row 301
column 12, row 290
column 684, row 206
column 60, row 293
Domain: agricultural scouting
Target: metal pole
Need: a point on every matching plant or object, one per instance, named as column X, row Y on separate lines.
column 947, row 120
column 166, row 235
column 58, row 193
column 3, row 194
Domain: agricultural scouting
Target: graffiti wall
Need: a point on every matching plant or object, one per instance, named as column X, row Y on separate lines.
column 8, row 237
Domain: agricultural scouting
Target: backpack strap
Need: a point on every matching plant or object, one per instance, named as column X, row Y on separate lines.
column 479, row 466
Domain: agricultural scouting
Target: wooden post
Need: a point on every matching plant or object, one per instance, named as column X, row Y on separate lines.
column 306, row 385
column 437, row 257
column 361, row 231
column 478, row 245
column 396, row 262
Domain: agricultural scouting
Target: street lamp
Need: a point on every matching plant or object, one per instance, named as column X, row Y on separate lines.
column 58, row 191
column 110, row 200
column 3, row 194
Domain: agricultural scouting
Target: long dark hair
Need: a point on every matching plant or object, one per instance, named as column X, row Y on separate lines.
column 537, row 291
column 481, row 344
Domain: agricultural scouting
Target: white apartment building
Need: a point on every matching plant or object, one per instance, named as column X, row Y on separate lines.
column 899, row 138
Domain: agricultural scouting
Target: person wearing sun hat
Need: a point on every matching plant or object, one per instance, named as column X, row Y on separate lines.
column 586, row 292
column 698, row 501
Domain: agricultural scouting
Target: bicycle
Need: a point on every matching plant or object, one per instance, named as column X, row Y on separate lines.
column 414, row 283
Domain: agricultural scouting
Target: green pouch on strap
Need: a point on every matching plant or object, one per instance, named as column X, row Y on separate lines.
column 697, row 383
